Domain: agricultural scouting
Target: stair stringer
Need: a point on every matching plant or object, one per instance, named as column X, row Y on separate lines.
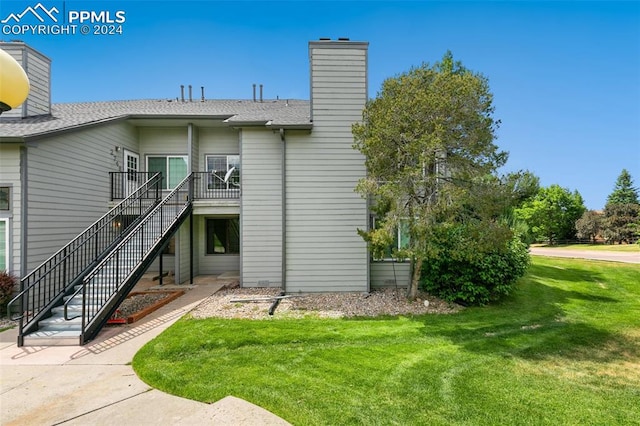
column 101, row 318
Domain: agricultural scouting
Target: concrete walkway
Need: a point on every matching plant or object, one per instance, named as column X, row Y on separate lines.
column 614, row 256
column 95, row 384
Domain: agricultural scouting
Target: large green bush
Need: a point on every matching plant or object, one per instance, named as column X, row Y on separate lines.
column 470, row 271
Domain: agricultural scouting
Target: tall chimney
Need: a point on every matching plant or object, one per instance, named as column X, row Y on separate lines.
column 338, row 67
column 261, row 93
column 254, row 92
column 182, row 92
column 190, row 94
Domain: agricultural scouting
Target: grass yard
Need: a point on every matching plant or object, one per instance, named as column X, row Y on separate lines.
column 631, row 248
column 564, row 349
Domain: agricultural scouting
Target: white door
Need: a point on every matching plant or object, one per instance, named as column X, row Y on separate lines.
column 132, row 167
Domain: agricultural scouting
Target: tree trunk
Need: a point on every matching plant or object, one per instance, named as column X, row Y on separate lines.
column 416, row 271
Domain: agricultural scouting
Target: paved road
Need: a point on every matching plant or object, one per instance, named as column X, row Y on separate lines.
column 615, row 256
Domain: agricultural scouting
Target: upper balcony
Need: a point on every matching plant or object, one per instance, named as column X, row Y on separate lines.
column 206, row 185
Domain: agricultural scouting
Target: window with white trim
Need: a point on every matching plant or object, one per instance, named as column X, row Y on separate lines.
column 218, row 166
column 174, row 168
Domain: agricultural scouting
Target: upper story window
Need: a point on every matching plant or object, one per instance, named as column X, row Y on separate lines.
column 174, row 168
column 219, row 166
column 4, row 198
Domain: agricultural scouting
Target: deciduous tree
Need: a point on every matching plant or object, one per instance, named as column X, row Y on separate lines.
column 552, row 213
column 589, row 225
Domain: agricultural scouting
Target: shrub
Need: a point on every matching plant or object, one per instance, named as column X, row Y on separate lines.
column 465, row 273
column 7, row 285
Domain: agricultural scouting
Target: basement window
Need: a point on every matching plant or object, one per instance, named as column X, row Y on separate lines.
column 223, row 236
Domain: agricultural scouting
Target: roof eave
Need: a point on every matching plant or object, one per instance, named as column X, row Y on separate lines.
column 223, row 117
column 12, row 139
column 296, row 126
column 72, row 128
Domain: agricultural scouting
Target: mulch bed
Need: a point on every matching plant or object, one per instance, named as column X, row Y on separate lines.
column 140, row 304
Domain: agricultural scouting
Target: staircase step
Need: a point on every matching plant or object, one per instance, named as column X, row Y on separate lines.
column 77, row 300
column 99, row 287
column 59, row 323
column 73, row 309
column 56, row 331
column 52, row 338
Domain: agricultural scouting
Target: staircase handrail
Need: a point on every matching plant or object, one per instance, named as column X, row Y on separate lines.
column 138, row 231
column 49, row 266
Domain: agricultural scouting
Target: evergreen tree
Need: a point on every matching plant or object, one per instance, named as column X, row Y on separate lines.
column 624, row 191
column 621, row 222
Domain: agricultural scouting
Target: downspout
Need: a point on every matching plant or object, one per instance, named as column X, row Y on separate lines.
column 24, row 205
column 284, row 210
column 179, row 253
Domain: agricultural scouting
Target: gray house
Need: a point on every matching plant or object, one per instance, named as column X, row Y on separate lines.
column 262, row 187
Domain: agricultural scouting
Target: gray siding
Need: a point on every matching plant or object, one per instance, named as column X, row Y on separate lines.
column 162, row 141
column 390, row 274
column 324, row 250
column 183, row 253
column 10, row 177
column 261, row 214
column 39, row 71
column 68, row 184
column 195, row 149
column 217, row 140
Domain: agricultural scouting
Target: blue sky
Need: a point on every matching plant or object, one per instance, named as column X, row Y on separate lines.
column 565, row 75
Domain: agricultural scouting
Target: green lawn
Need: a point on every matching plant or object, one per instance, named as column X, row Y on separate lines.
column 596, row 247
column 564, row 349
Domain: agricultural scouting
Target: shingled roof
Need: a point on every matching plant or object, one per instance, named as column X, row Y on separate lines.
column 269, row 113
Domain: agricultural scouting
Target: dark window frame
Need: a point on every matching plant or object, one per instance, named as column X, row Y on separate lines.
column 222, row 236
column 5, row 190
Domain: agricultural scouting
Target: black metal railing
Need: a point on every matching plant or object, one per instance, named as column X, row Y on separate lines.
column 111, row 279
column 206, row 185
column 125, row 183
column 210, row 186
column 45, row 286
